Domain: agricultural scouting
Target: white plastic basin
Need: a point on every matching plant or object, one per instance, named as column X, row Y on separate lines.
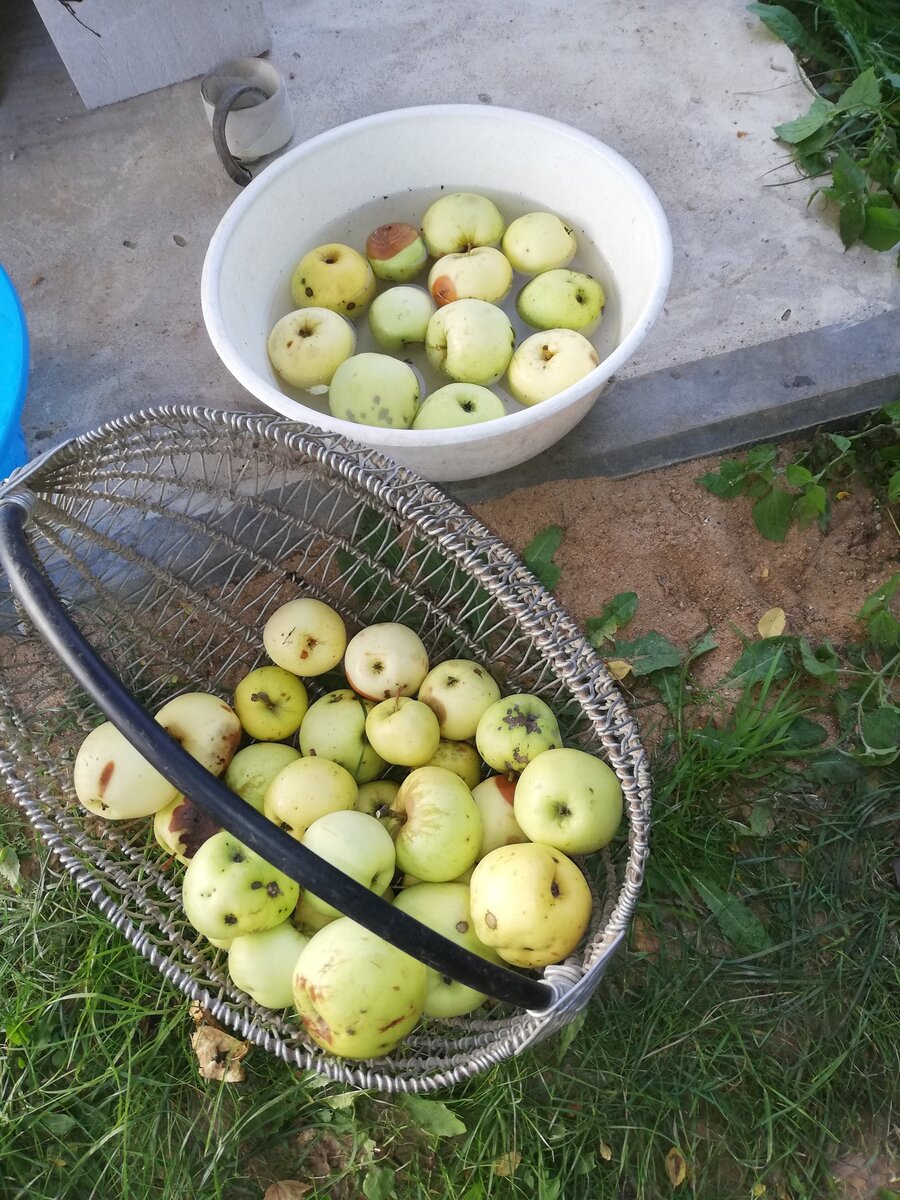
column 389, row 167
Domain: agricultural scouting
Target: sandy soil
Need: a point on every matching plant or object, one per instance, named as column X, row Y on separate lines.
column 696, row 561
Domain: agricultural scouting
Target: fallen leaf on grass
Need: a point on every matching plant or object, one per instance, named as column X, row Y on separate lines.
column 772, row 623
column 326, row 1154
column 506, row 1164
column 645, row 938
column 219, row 1054
column 287, row 1189
column 759, row 1189
column 676, row 1167
column 605, row 1151
column 618, row 667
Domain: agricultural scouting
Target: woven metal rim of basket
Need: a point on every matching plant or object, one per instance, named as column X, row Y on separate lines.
column 119, row 469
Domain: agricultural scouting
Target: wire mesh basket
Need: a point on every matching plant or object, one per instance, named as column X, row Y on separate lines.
column 163, row 540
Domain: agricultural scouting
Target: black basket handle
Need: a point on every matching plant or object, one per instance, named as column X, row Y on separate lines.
column 234, row 814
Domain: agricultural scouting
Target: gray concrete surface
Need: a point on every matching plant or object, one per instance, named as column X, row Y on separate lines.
column 105, row 215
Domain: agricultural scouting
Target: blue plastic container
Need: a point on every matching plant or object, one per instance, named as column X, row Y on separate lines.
column 13, row 377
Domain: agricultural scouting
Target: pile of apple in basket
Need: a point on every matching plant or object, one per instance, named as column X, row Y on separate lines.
column 483, row 862
column 467, row 336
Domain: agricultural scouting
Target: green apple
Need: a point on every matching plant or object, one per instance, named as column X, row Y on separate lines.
column 408, row 881
column 308, row 919
column 356, row 994
column 374, row 389
column 459, row 691
column 205, row 726
column 305, row 790
column 252, row 770
column 444, row 907
column 270, row 703
column 515, row 730
column 396, row 252
column 376, row 796
column 570, row 800
column 458, row 404
column 112, row 780
column 495, row 798
column 530, row 903
column 385, row 660
column 403, row 731
column 182, row 827
column 305, row 636
column 562, row 300
column 262, row 964
column 358, row 845
column 228, row 890
column 459, row 222
column 460, row 758
column 336, row 277
column 335, row 728
column 539, row 242
column 307, row 346
column 399, row 317
column 439, row 830
column 481, row 273
column 471, row 341
column 547, row 363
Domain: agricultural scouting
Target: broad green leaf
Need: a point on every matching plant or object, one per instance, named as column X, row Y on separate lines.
column 431, row 1115
column 863, row 92
column 570, row 1032
column 343, row 1099
column 817, row 141
column 797, row 476
column 772, row 514
column 761, row 820
column 834, row 767
column 882, row 227
column 803, row 734
column 892, row 411
column 822, row 663
column 848, row 177
column 10, row 869
column 378, row 1183
column 539, row 552
column 668, row 682
column 702, row 645
column 881, row 729
column 652, row 652
column 893, row 488
column 761, row 457
column 615, row 614
column 801, row 127
column 843, row 443
column 740, row 926
column 727, row 482
column 768, row 659
column 809, row 506
column 759, row 485
column 884, row 631
column 59, row 1123
column 880, row 598
column 852, row 220
column 782, row 22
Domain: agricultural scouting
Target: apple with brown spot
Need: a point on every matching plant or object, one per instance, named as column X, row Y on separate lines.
column 396, row 252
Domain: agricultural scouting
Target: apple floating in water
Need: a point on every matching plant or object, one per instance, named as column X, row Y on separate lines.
column 548, row 363
column 562, row 300
column 481, row 273
column 307, row 346
column 374, row 389
column 336, row 277
column 458, row 404
column 537, row 242
column 396, row 252
column 459, row 222
column 471, row 341
column 399, row 317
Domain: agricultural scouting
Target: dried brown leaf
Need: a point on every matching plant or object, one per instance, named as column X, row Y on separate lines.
column 676, row 1167
column 219, row 1054
column 326, row 1154
column 287, row 1189
column 506, row 1164
column 645, row 938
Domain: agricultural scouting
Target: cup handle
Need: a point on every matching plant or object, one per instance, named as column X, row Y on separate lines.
column 224, row 105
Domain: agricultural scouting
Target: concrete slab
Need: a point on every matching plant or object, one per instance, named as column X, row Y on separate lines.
column 106, row 215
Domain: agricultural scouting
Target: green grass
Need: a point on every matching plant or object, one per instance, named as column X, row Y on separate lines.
column 750, row 1025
